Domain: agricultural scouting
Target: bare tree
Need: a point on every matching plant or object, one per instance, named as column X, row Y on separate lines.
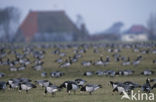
column 8, row 18
column 151, row 24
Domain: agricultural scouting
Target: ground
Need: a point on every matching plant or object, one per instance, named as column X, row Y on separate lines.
column 104, row 94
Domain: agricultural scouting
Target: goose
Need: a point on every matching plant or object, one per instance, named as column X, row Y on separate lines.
column 57, row 51
column 147, row 86
column 132, row 84
column 99, row 73
column 66, row 64
column 14, row 85
column 154, row 86
column 3, row 85
column 74, row 59
column 111, row 73
column 121, row 88
column 37, row 67
column 52, row 89
column 26, row 86
column 24, row 80
column 89, row 73
column 43, row 83
column 86, row 63
column 70, row 85
column 43, row 74
column 27, row 62
column 56, row 74
column 114, row 84
column 59, row 60
column 2, row 74
column 22, row 67
column 62, row 54
column 128, row 72
column 1, row 61
column 10, row 81
column 80, row 82
column 137, row 61
column 153, row 80
column 95, row 50
column 125, row 63
column 99, row 62
column 38, row 62
column 154, row 61
column 147, row 72
column 11, row 64
column 90, row 88
column 13, row 69
column 125, row 72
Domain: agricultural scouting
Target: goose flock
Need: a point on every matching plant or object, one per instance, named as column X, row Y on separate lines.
column 81, row 60
column 25, row 84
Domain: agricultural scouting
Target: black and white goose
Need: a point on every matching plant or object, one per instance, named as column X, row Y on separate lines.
column 13, row 69
column 137, row 61
column 59, row 60
column 80, row 82
column 2, row 74
column 90, row 88
column 86, row 63
column 135, row 85
column 22, row 67
column 56, row 74
column 99, row 62
column 52, row 89
column 114, row 84
column 37, row 67
column 67, row 63
column 107, row 60
column 125, row 72
column 44, row 74
column 153, row 80
column 3, row 85
column 26, row 86
column 70, row 86
column 121, row 88
column 147, row 72
column 88, row 73
column 13, row 83
column 43, row 83
column 147, row 86
column 99, row 73
column 125, row 63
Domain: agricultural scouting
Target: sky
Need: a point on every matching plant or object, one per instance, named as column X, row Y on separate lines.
column 98, row 15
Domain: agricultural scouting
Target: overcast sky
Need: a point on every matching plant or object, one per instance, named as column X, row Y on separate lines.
column 97, row 14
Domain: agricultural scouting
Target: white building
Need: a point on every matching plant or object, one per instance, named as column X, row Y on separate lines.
column 134, row 37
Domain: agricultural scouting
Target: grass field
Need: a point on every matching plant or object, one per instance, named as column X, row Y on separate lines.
column 104, row 94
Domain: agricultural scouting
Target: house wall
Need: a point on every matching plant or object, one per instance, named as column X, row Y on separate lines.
column 53, row 37
column 134, row 37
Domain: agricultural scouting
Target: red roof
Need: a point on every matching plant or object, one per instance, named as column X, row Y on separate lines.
column 136, row 29
column 29, row 26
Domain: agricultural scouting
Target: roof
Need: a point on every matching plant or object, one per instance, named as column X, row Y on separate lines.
column 46, row 22
column 137, row 29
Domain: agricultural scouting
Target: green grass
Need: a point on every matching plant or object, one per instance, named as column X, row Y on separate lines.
column 75, row 71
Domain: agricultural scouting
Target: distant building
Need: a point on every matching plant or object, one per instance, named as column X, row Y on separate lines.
column 114, row 29
column 135, row 33
column 47, row 26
